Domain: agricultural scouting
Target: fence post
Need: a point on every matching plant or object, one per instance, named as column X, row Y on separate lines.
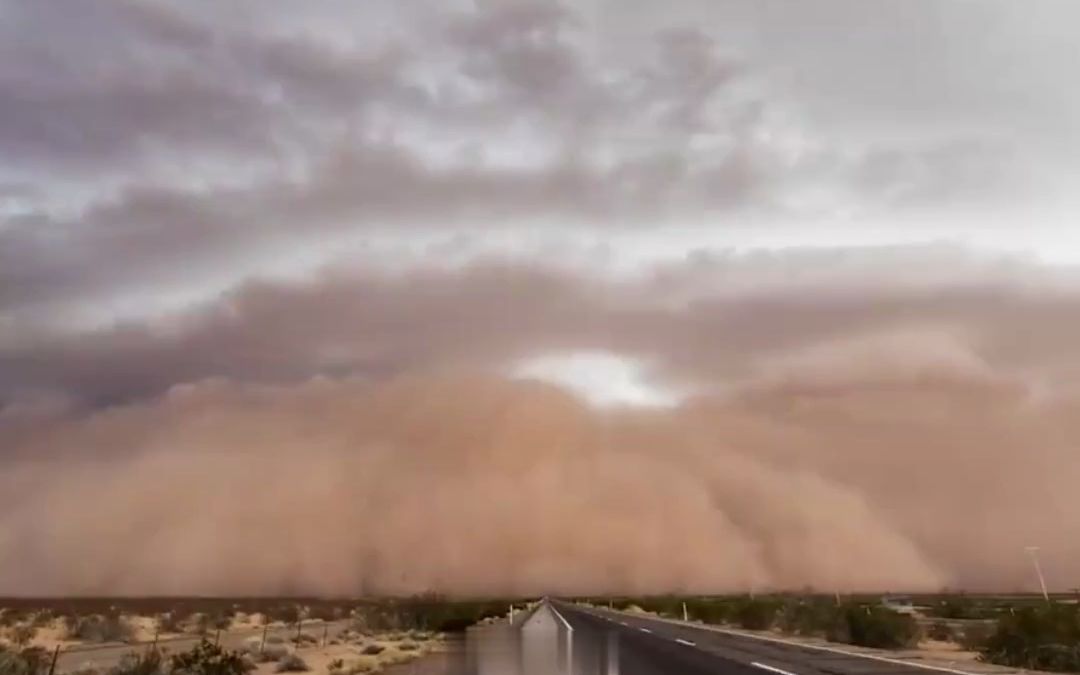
column 325, row 630
column 299, row 624
column 52, row 666
column 262, row 644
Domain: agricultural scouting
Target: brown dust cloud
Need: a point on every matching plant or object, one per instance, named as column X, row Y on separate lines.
column 882, row 458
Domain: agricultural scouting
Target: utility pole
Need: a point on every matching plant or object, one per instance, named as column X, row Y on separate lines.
column 1033, row 551
column 685, row 614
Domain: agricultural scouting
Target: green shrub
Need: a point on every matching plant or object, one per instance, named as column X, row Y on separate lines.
column 974, row 636
column 207, row 658
column 1043, row 638
column 756, row 614
column 878, row 627
column 151, row 662
column 812, row 616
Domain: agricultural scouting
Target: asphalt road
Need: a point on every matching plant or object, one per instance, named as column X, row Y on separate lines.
column 606, row 643
column 107, row 655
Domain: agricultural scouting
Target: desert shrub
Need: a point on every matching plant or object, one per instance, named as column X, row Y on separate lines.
column 372, row 649
column 325, row 612
column 305, row 639
column 956, row 607
column 974, row 636
column 31, row 661
column 336, row 664
column 873, row 627
column 939, row 630
column 408, row 646
column 668, row 606
column 207, row 658
column 1043, row 638
column 169, row 622
column 363, row 664
column 756, row 614
column 425, row 612
column 221, row 620
column 709, row 611
column 812, row 616
column 42, row 618
column 288, row 614
column 21, row 634
column 151, row 662
column 291, row 663
column 264, row 653
column 98, row 628
column 10, row 616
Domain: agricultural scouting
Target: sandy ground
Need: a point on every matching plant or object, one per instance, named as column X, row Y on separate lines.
column 343, row 649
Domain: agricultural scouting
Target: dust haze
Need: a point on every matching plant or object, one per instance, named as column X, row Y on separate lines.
column 893, row 457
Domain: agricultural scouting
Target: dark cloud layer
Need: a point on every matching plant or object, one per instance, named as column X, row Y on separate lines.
column 168, row 141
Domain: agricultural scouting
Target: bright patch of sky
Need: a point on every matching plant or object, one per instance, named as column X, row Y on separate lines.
column 604, row 379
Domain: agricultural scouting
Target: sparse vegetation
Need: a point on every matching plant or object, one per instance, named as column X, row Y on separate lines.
column 304, row 639
column 169, row 622
column 759, row 614
column 874, row 627
column 209, row 659
column 97, row 628
column 1043, row 638
column 151, row 662
column 974, row 636
column 30, row 661
column 939, row 630
column 21, row 634
column 291, row 663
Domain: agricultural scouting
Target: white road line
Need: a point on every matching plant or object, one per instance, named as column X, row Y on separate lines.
column 771, row 669
column 644, row 630
column 844, row 652
column 686, row 642
column 821, row 648
column 569, row 628
column 624, row 623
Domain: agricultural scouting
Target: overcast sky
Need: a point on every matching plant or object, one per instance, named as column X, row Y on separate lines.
column 652, row 205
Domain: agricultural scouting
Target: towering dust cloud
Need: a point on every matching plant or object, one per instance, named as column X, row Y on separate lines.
column 901, row 478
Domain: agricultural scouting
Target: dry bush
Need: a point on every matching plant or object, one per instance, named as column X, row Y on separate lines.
column 98, row 628
column 291, row 663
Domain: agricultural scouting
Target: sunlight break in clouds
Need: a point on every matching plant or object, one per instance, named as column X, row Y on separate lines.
column 602, row 379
